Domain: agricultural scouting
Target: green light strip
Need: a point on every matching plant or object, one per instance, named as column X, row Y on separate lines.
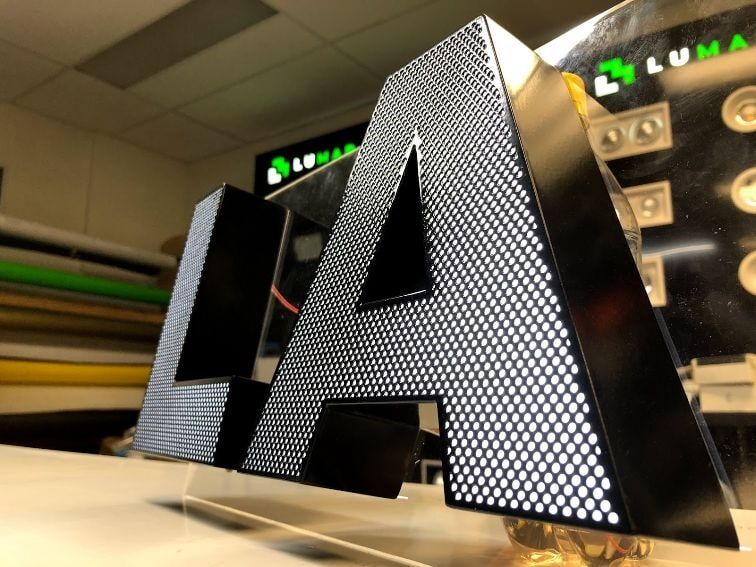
column 44, row 277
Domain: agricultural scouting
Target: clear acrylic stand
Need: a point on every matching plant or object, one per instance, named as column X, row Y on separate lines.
column 417, row 528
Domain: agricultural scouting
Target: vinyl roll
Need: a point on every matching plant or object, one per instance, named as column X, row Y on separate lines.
column 42, row 398
column 37, row 232
column 73, row 265
column 79, row 297
column 64, row 373
column 32, row 320
column 119, row 274
column 56, row 279
column 44, row 339
column 55, row 353
column 42, row 303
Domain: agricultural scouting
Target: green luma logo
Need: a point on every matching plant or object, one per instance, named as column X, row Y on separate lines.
column 617, row 69
column 713, row 48
column 614, row 70
column 281, row 165
column 281, row 168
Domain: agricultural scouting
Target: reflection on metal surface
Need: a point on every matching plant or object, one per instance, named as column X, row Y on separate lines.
column 631, row 19
column 534, row 542
column 652, row 272
column 739, row 109
column 317, row 196
column 747, row 273
column 723, row 371
column 538, row 543
column 709, row 312
column 683, row 249
column 633, row 132
column 557, row 47
column 651, row 203
column 611, row 140
column 728, row 399
column 709, row 73
column 743, row 191
column 597, row 549
column 646, row 130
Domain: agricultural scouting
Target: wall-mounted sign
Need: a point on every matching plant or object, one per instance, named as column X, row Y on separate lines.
column 282, row 166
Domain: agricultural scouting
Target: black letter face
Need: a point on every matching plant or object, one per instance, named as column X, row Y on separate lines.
column 492, row 343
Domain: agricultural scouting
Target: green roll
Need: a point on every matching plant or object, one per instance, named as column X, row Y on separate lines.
column 44, row 277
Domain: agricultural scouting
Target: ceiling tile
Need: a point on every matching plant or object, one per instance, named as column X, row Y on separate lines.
column 177, row 36
column 21, row 70
column 318, row 83
column 259, row 47
column 72, row 30
column 318, row 127
column 332, row 19
column 83, row 101
column 179, row 137
column 386, row 47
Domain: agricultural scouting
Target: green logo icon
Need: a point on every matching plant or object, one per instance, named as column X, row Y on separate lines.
column 618, row 69
column 282, row 165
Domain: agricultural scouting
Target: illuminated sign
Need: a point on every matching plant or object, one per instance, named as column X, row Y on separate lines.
column 282, row 166
column 615, row 71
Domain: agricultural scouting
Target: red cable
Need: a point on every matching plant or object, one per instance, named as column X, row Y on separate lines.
column 617, row 546
column 285, row 302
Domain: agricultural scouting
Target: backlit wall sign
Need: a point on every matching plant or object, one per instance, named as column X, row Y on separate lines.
column 280, row 167
column 615, row 72
column 476, row 264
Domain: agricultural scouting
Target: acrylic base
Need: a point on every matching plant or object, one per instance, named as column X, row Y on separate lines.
column 417, row 528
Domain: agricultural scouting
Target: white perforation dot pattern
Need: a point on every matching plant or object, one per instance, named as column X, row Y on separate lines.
column 493, row 341
column 183, row 421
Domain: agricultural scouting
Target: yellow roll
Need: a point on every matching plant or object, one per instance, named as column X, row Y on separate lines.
column 65, row 373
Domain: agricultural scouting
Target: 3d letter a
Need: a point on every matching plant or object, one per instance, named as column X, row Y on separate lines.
column 557, row 396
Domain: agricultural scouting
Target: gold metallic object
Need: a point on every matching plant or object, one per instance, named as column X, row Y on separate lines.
column 535, row 542
column 599, row 549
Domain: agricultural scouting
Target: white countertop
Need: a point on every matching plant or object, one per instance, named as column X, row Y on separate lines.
column 71, row 509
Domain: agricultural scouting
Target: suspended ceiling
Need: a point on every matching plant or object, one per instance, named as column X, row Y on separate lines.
column 243, row 74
